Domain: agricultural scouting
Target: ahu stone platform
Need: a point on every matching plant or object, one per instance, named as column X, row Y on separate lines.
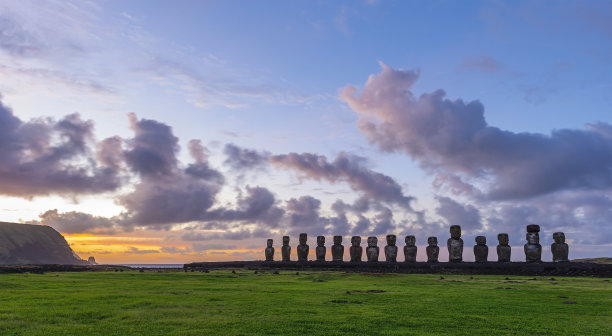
column 487, row 268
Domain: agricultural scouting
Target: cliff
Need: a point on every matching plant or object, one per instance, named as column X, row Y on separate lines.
column 34, row 244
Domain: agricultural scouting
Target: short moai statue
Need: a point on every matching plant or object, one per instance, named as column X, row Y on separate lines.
column 455, row 244
column 559, row 249
column 533, row 249
column 410, row 250
column 303, row 248
column 481, row 250
column 432, row 249
column 372, row 250
column 503, row 249
column 391, row 248
column 356, row 250
column 320, row 250
column 269, row 250
column 337, row 249
column 286, row 249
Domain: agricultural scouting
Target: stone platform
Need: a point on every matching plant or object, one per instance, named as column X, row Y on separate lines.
column 488, row 268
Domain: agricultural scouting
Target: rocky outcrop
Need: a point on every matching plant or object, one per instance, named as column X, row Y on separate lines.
column 34, row 244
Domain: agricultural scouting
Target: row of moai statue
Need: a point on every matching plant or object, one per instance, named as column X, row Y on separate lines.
column 533, row 249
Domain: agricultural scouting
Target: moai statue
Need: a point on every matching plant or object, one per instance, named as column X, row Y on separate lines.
column 372, row 249
column 320, row 250
column 481, row 250
column 391, row 249
column 432, row 249
column 269, row 251
column 302, row 248
column 410, row 250
column 286, row 249
column 559, row 248
column 503, row 249
column 337, row 249
column 455, row 244
column 533, row 249
column 356, row 250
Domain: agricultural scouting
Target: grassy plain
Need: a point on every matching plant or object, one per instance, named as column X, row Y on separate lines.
column 311, row 303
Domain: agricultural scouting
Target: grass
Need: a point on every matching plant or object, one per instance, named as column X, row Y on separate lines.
column 312, row 303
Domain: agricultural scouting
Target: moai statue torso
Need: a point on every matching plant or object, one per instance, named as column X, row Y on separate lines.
column 320, row 250
column 533, row 249
column 503, row 249
column 432, row 249
column 391, row 248
column 455, row 244
column 337, row 249
column 559, row 249
column 286, row 249
column 481, row 250
column 372, row 249
column 269, row 250
column 356, row 250
column 302, row 248
column 410, row 250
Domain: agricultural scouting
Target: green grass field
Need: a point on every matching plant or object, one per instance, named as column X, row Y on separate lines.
column 312, row 303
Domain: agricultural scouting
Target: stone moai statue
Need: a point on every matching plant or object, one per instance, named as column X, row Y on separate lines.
column 303, row 248
column 286, row 249
column 455, row 244
column 356, row 250
column 391, row 248
column 432, row 249
column 337, row 249
column 533, row 249
column 503, row 249
column 320, row 250
column 410, row 250
column 560, row 250
column 269, row 250
column 372, row 249
column 481, row 250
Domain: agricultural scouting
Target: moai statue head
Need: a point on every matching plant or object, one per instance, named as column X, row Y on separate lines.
column 321, row 240
column 269, row 242
column 455, row 231
column 559, row 237
column 410, row 241
column 533, row 236
column 391, row 239
column 432, row 241
column 372, row 241
column 337, row 240
column 355, row 240
column 503, row 239
column 285, row 240
column 303, row 238
column 481, row 240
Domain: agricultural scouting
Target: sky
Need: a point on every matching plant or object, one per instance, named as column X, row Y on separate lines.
column 173, row 132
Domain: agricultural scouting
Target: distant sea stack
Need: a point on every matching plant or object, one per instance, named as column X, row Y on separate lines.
column 34, row 244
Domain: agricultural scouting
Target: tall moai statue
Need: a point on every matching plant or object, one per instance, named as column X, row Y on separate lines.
column 269, row 251
column 337, row 249
column 303, row 248
column 432, row 249
column 533, row 249
column 286, row 249
column 356, row 250
column 320, row 250
column 391, row 248
column 503, row 249
column 560, row 249
column 455, row 244
column 410, row 250
column 481, row 250
column 372, row 249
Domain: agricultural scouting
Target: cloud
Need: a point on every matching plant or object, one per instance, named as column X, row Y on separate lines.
column 242, row 158
column 467, row 216
column 135, row 250
column 452, row 137
column 482, row 63
column 77, row 222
